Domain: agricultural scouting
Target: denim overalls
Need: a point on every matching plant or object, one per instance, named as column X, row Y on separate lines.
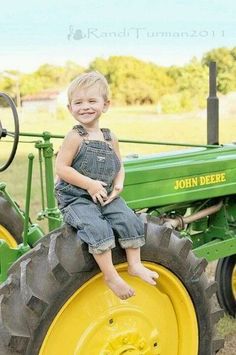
column 96, row 224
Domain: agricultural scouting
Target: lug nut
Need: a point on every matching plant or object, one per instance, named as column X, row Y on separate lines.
column 141, row 345
column 125, row 340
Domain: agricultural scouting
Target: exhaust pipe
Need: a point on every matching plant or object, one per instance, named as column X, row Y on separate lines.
column 212, row 108
column 179, row 221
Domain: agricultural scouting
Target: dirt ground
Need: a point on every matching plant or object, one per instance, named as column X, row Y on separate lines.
column 230, row 346
column 227, row 326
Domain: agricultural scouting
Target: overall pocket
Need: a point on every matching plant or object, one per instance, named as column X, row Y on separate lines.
column 99, row 164
column 71, row 217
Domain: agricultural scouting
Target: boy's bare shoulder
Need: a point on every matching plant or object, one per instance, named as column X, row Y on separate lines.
column 71, row 144
column 113, row 137
column 73, row 137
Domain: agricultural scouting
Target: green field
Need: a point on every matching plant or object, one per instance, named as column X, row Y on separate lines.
column 139, row 123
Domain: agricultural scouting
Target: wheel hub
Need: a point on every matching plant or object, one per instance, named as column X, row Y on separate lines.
column 132, row 343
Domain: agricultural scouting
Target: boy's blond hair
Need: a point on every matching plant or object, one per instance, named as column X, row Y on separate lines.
column 87, row 80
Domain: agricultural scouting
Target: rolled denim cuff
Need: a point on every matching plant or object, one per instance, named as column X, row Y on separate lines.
column 101, row 248
column 136, row 242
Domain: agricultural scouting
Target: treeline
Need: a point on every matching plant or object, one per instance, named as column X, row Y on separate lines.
column 47, row 76
column 135, row 82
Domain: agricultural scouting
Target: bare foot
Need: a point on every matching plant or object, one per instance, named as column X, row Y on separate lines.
column 145, row 274
column 120, row 287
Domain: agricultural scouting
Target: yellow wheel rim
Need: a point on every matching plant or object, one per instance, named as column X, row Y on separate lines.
column 234, row 282
column 158, row 320
column 9, row 239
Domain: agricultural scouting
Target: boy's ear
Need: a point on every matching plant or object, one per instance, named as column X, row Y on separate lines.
column 106, row 105
column 69, row 107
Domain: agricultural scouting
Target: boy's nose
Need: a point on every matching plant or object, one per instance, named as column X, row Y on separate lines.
column 84, row 106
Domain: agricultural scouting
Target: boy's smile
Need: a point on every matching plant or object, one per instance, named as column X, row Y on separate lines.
column 87, row 105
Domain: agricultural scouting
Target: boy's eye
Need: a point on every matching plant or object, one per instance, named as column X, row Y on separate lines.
column 92, row 101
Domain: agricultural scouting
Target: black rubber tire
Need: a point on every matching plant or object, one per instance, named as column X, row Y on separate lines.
column 28, row 304
column 223, row 275
column 10, row 220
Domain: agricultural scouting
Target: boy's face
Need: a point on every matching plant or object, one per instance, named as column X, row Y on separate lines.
column 87, row 105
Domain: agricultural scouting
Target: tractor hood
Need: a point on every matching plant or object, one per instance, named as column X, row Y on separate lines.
column 181, row 176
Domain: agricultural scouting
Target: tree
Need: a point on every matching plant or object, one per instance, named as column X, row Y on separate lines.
column 226, row 67
column 133, row 81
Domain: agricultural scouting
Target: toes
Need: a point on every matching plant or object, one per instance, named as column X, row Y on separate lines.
column 152, row 282
column 131, row 293
column 125, row 297
column 155, row 275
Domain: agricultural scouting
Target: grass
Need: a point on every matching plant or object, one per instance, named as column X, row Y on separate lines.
column 134, row 122
column 226, row 326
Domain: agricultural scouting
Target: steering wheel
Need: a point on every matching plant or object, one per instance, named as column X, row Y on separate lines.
column 15, row 134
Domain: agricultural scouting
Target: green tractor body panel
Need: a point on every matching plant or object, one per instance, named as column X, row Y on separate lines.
column 177, row 177
column 181, row 181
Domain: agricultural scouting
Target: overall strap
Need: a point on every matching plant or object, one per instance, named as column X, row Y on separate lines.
column 81, row 130
column 106, row 134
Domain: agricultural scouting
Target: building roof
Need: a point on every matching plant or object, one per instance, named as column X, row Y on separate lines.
column 44, row 95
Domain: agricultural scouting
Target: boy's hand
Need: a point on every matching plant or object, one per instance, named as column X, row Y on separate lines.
column 97, row 191
column 117, row 189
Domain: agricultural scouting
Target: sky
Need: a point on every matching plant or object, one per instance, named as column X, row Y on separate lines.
column 164, row 32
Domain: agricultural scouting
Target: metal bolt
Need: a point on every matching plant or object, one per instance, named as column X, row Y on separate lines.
column 141, row 345
column 125, row 340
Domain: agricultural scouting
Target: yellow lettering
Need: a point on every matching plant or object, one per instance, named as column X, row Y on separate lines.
column 194, row 181
column 202, row 180
column 218, row 177
column 223, row 177
column 176, row 187
column 188, row 183
column 208, row 179
column 213, row 179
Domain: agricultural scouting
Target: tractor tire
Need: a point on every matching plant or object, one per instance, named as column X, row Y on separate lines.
column 226, row 278
column 55, row 302
column 11, row 225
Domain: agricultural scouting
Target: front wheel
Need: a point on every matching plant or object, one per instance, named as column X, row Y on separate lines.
column 226, row 278
column 55, row 301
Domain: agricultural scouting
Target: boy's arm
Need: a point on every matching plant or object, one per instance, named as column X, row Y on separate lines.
column 118, row 182
column 64, row 160
column 119, row 179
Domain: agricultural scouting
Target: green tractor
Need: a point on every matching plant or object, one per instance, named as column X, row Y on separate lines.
column 52, row 298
